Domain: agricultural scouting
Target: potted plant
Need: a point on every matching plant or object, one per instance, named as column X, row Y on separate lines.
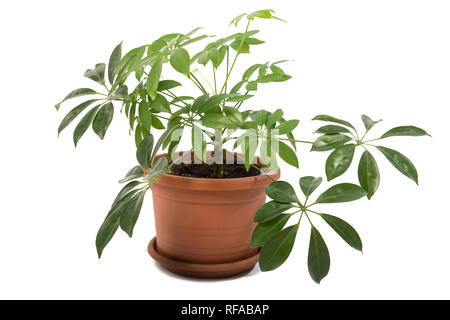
column 209, row 202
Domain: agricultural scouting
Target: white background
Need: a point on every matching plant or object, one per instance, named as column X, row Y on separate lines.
column 388, row 59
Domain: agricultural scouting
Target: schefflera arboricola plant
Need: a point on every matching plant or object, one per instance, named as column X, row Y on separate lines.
column 216, row 118
column 342, row 138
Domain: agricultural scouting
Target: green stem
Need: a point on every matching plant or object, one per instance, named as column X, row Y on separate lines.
column 312, row 204
column 239, row 104
column 235, row 58
column 215, row 82
column 197, row 83
column 372, row 140
column 315, row 212
column 306, row 214
column 300, row 141
column 228, row 62
column 206, row 79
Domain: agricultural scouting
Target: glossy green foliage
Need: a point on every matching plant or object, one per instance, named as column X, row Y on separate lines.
column 343, row 140
column 219, row 116
column 272, row 217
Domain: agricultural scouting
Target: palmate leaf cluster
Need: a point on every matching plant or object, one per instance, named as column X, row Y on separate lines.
column 220, row 116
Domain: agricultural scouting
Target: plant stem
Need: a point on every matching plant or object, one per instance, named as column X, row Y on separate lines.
column 315, row 212
column 215, row 83
column 306, row 214
column 197, row 83
column 239, row 104
column 372, row 140
column 235, row 58
column 228, row 62
column 300, row 141
column 206, row 79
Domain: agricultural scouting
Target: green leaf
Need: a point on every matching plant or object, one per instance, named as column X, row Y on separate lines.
column 277, row 249
column 240, row 46
column 318, row 256
column 274, row 118
column 368, row 174
column 160, row 104
column 145, row 116
column 161, row 140
column 237, row 87
column 158, row 44
column 260, row 117
column 138, row 134
column 252, row 86
column 97, row 74
column 136, row 54
column 405, row 131
column 344, row 192
column 125, row 190
column 270, row 210
column 112, row 220
column 329, row 142
column 156, row 123
column 76, row 93
column 107, row 231
column 368, row 122
column 266, row 230
column 114, row 61
column 214, row 56
column 210, row 103
column 276, row 69
column 131, row 212
column 287, row 154
column 262, row 14
column 120, row 93
column 249, row 72
column 236, row 20
column 103, row 119
column 198, row 143
column 84, row 124
column 233, row 114
column 167, row 85
column 402, row 163
column 323, row 117
column 72, row 114
column 330, row 129
column 199, row 102
column 144, row 151
column 287, row 126
column 217, row 121
column 203, row 58
column 161, row 166
column 281, row 191
column 180, row 61
column 153, row 79
column 239, row 97
column 249, row 147
column 346, row 231
column 274, row 77
column 203, row 36
column 290, row 135
column 339, row 161
column 135, row 173
column 253, row 41
column 309, row 184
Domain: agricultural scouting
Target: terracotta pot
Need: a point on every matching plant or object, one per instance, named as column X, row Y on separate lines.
column 207, row 221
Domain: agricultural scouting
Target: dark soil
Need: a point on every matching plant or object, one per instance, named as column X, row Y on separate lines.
column 207, row 171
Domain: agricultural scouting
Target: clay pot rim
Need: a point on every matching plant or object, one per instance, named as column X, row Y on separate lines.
column 180, row 182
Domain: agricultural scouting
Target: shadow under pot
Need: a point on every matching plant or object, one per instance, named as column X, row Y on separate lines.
column 204, row 226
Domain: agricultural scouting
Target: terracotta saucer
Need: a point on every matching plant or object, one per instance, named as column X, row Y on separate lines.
column 222, row 270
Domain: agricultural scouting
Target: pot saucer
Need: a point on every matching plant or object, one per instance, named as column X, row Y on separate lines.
column 195, row 270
